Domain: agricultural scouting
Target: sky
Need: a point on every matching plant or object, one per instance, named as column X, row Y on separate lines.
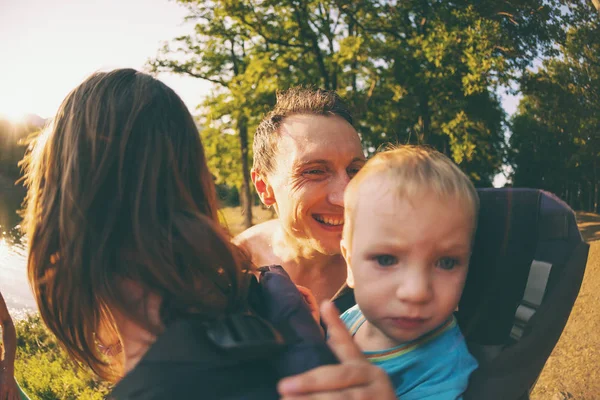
column 47, row 47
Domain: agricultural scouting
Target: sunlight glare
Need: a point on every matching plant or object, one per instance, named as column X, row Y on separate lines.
column 3, row 248
column 11, row 113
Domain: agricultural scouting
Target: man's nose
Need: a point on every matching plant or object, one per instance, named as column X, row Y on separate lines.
column 337, row 188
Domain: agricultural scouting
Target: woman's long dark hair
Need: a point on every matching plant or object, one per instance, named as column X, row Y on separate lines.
column 119, row 191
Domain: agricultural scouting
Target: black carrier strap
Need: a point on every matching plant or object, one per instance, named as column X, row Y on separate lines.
column 193, row 359
column 525, row 273
column 239, row 356
column 246, row 335
column 344, row 298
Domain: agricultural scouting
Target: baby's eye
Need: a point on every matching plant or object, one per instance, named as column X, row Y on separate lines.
column 385, row 260
column 447, row 263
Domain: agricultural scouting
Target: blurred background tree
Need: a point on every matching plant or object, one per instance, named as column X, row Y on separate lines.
column 424, row 72
column 555, row 142
column 414, row 71
column 13, row 143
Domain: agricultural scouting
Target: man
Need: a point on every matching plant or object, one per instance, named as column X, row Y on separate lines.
column 305, row 153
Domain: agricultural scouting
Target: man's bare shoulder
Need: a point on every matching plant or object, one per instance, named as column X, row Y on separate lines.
column 257, row 237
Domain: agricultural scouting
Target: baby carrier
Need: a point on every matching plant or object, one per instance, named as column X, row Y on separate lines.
column 525, row 273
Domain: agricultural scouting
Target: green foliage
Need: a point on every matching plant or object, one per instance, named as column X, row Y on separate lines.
column 414, row 71
column 228, row 195
column 555, row 142
column 45, row 372
column 13, row 143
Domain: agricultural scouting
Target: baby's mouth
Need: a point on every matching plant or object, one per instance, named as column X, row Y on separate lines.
column 329, row 220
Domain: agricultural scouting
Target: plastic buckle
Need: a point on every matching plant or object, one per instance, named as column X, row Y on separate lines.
column 247, row 334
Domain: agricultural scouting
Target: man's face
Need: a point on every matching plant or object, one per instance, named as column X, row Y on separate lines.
column 315, row 159
column 408, row 260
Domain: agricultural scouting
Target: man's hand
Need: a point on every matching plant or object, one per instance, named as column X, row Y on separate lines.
column 311, row 300
column 355, row 378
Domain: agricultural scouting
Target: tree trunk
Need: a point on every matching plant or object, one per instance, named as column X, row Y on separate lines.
column 595, row 179
column 424, row 118
column 421, row 17
column 596, row 194
column 590, row 197
column 354, row 64
column 246, row 198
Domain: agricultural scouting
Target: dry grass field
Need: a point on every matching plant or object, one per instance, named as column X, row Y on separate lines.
column 573, row 370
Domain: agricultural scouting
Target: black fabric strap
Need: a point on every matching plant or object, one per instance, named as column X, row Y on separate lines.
column 554, row 227
column 344, row 298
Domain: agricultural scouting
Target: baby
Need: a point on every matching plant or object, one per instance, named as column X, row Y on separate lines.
column 410, row 218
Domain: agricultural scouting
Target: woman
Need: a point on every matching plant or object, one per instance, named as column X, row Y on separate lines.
column 127, row 261
column 121, row 219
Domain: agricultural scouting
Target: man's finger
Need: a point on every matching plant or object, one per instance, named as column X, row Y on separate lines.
column 325, row 378
column 320, row 396
column 348, row 394
column 340, row 341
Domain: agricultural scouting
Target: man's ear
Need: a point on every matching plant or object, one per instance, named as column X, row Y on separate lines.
column 346, row 255
column 264, row 190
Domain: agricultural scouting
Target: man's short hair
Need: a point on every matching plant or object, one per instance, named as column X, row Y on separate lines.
column 294, row 101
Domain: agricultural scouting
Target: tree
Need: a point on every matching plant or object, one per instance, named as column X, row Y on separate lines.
column 218, row 52
column 13, row 137
column 439, row 65
column 556, row 134
column 414, row 71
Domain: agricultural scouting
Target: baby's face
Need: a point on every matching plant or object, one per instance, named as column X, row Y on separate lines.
column 408, row 261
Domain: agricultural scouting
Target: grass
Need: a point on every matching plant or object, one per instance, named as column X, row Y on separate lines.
column 233, row 218
column 45, row 372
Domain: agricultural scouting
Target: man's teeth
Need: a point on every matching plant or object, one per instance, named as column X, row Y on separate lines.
column 330, row 221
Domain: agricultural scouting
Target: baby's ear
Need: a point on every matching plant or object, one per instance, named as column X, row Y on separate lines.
column 346, row 255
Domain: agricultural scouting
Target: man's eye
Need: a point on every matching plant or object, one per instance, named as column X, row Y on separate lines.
column 385, row 260
column 447, row 263
column 353, row 171
column 314, row 172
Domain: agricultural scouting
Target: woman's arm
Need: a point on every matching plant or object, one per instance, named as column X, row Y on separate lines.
column 8, row 386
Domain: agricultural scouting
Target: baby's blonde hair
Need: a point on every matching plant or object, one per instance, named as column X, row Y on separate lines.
column 410, row 171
